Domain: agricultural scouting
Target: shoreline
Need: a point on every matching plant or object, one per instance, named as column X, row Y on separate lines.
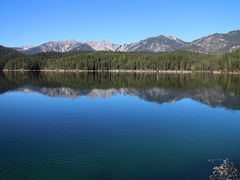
column 124, row 71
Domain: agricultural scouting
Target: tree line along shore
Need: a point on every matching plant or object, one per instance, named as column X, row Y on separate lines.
column 177, row 61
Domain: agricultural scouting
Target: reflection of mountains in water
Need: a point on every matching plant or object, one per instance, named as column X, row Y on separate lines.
column 213, row 90
column 209, row 96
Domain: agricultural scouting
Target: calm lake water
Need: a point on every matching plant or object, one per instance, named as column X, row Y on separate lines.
column 69, row 126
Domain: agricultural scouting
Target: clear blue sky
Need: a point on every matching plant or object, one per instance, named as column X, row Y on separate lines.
column 33, row 22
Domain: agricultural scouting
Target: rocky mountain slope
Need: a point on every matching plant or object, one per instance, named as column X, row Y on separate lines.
column 54, row 46
column 102, row 45
column 81, row 47
column 70, row 45
column 154, row 44
column 215, row 43
column 212, row 44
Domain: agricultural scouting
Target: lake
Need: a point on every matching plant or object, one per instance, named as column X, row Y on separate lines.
column 67, row 126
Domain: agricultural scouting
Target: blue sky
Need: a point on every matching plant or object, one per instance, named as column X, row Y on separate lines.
column 30, row 22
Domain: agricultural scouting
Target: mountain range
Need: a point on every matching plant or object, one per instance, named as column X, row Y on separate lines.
column 213, row 44
column 212, row 97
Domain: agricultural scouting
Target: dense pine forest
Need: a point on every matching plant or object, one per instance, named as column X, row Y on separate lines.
column 175, row 61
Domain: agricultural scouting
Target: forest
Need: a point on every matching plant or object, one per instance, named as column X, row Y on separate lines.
column 164, row 61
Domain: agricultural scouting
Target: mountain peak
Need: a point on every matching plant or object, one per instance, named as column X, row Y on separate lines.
column 216, row 43
column 171, row 37
column 26, row 47
column 212, row 44
column 62, row 42
column 159, row 43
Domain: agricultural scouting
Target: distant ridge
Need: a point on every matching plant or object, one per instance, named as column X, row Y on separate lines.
column 213, row 44
column 154, row 44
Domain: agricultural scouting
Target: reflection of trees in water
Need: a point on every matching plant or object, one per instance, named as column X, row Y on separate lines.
column 214, row 90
